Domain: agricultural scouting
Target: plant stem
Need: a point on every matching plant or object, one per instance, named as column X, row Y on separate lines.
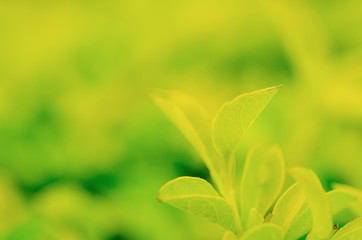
column 230, row 197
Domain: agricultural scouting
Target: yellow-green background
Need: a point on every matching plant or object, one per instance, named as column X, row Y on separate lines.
column 83, row 150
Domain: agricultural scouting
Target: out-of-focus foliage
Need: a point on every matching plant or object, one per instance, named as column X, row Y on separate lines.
column 83, row 150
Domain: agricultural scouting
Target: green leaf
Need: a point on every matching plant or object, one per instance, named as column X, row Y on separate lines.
column 229, row 236
column 317, row 200
column 356, row 193
column 262, row 180
column 302, row 224
column 193, row 121
column 351, row 231
column 339, row 200
column 287, row 207
column 266, row 231
column 198, row 197
column 255, row 219
column 234, row 118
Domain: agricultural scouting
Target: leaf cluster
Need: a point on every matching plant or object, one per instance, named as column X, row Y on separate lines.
column 243, row 209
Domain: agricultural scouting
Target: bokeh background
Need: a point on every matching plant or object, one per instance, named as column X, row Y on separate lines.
column 83, row 149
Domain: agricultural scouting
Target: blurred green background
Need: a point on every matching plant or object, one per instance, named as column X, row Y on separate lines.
column 83, row 150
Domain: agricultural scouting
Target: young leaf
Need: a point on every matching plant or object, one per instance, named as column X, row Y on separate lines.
column 196, row 196
column 339, row 200
column 287, row 207
column 262, row 180
column 302, row 224
column 351, row 231
column 266, row 231
column 235, row 117
column 356, row 193
column 193, row 121
column 229, row 236
column 317, row 200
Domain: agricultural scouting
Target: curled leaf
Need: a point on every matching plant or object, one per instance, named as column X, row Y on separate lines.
column 317, row 201
column 302, row 223
column 262, row 180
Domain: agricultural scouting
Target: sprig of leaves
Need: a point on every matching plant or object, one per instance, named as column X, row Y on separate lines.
column 304, row 208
